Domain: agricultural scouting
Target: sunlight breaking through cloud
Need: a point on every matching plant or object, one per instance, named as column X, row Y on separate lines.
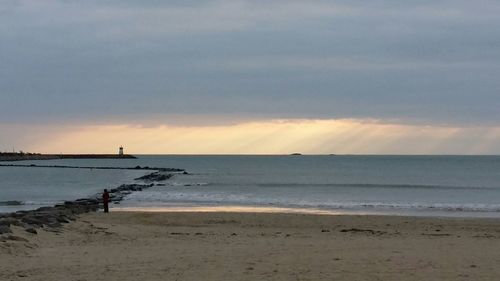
column 344, row 136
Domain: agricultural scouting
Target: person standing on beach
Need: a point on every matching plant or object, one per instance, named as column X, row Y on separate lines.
column 105, row 200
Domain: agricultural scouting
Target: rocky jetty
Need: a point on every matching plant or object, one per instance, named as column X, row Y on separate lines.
column 157, row 176
column 21, row 156
column 18, row 156
column 52, row 218
column 173, row 170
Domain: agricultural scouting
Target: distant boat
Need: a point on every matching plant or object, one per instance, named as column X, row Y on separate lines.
column 296, row 154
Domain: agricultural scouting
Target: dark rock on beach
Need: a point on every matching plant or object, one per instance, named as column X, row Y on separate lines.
column 31, row 230
column 5, row 229
column 13, row 238
column 368, row 231
column 10, row 221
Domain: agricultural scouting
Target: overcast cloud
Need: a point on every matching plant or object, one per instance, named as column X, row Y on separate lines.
column 432, row 62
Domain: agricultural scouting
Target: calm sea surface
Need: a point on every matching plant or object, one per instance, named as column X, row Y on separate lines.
column 414, row 185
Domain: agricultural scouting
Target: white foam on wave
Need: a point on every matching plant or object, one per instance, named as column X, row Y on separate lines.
column 200, row 197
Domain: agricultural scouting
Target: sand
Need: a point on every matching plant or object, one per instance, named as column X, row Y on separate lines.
column 255, row 246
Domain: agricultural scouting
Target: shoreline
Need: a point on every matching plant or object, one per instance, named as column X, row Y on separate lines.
column 255, row 246
column 210, row 208
column 160, row 175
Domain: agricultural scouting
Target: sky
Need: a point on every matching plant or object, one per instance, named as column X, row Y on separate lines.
column 245, row 77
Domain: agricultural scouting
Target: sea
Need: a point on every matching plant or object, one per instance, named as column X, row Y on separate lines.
column 448, row 186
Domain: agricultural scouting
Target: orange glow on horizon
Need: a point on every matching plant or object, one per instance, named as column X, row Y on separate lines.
column 344, row 136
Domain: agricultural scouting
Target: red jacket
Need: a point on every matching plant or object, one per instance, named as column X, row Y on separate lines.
column 105, row 197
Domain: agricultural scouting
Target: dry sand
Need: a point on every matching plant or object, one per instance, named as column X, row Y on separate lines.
column 256, row 246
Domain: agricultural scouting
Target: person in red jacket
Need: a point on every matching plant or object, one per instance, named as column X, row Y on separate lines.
column 105, row 200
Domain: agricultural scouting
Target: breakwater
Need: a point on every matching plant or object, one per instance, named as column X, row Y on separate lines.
column 52, row 218
column 94, row 168
column 37, row 156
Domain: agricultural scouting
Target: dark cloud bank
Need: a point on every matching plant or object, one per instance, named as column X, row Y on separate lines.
column 413, row 61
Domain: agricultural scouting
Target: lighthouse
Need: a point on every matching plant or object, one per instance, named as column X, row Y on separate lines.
column 120, row 151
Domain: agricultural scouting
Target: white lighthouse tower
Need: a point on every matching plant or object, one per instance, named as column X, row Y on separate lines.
column 120, row 151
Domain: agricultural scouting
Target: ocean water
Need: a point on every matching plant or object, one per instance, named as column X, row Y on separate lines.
column 405, row 185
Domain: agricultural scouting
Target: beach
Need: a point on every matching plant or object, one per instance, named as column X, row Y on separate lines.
column 249, row 140
column 254, row 246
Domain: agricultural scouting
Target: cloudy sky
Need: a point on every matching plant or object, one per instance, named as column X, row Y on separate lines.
column 229, row 76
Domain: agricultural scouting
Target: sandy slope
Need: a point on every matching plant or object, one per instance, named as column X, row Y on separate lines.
column 250, row 246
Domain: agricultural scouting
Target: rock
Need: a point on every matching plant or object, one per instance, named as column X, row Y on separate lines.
column 62, row 219
column 169, row 170
column 54, row 224
column 156, row 176
column 162, row 177
column 32, row 221
column 19, row 214
column 357, row 230
column 9, row 221
column 31, row 230
column 43, row 209
column 16, row 238
column 5, row 229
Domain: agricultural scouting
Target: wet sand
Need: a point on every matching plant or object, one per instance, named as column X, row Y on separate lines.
column 255, row 246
